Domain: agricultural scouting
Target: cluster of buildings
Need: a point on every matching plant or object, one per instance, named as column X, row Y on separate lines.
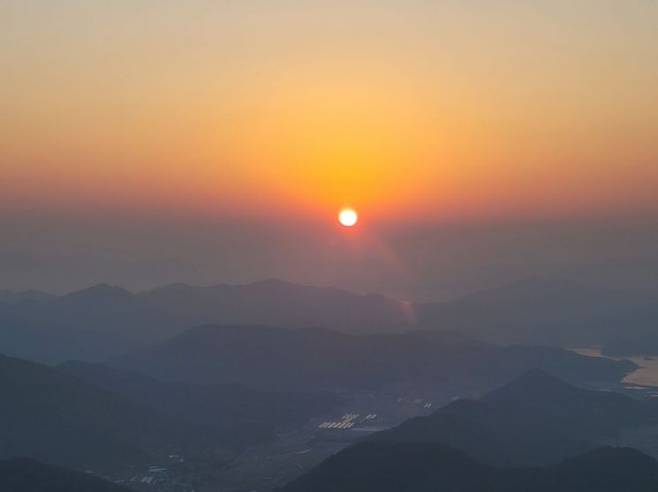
column 157, row 478
column 347, row 421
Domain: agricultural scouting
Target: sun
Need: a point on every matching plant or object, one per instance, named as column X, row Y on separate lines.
column 348, row 217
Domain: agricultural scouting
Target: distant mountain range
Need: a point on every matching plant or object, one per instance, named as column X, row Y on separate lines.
column 25, row 475
column 536, row 433
column 545, row 311
column 10, row 297
column 269, row 357
column 103, row 321
column 90, row 417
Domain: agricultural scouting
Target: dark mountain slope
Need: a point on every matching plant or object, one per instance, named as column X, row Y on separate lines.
column 51, row 416
column 240, row 414
column 24, row 475
column 537, row 392
column 428, row 467
column 396, row 467
column 536, row 419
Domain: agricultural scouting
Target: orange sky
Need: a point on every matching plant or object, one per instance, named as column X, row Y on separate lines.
column 404, row 110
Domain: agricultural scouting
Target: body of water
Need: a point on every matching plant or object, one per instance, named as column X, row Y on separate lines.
column 645, row 375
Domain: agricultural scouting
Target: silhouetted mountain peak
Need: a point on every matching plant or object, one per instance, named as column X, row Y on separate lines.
column 533, row 384
column 178, row 286
column 274, row 283
column 99, row 292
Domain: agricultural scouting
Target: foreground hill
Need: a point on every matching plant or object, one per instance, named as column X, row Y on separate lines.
column 25, row 475
column 536, row 433
column 535, row 419
column 50, row 416
column 240, row 415
column 272, row 357
column 90, row 418
column 429, row 467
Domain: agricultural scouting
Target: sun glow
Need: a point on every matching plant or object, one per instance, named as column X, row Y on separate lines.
column 348, row 217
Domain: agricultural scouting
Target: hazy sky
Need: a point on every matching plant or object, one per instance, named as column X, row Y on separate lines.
column 253, row 122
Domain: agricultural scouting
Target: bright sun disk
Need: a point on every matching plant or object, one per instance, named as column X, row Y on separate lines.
column 348, row 217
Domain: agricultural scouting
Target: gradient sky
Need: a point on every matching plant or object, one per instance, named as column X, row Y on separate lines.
column 282, row 111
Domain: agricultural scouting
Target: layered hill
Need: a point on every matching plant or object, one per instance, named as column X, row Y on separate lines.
column 546, row 311
column 102, row 321
column 270, row 357
column 95, row 323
